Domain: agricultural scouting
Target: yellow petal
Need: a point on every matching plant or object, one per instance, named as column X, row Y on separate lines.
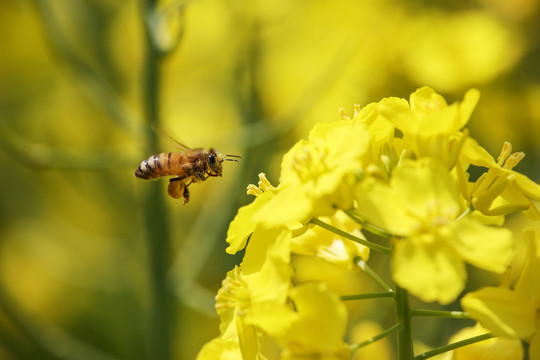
column 529, row 280
column 425, row 184
column 242, row 225
column 288, row 205
column 499, row 348
column 220, row 349
column 501, row 310
column 489, row 248
column 427, row 270
column 476, row 154
column 320, row 328
column 379, row 205
column 247, row 338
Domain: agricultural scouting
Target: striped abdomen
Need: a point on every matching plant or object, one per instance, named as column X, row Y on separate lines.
column 164, row 164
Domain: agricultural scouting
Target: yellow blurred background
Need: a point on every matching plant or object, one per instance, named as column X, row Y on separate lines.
column 96, row 264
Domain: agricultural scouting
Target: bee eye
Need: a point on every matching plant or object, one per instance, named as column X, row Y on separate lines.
column 212, row 159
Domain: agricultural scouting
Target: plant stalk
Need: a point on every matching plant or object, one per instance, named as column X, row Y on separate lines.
column 155, row 217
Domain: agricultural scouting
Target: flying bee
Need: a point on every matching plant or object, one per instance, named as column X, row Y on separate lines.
column 187, row 167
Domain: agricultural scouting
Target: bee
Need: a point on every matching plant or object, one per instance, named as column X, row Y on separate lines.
column 187, row 167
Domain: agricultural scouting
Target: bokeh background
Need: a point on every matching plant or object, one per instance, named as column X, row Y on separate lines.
column 96, row 264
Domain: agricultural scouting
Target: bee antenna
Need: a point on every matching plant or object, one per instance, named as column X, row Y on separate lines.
column 228, row 157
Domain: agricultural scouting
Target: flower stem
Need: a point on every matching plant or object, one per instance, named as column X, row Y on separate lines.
column 346, row 235
column 380, row 336
column 375, row 295
column 453, row 346
column 367, row 226
column 404, row 335
column 469, row 210
column 368, row 270
column 157, row 227
column 440, row 313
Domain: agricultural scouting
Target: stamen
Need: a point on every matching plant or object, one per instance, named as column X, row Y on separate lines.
column 264, row 185
column 357, row 109
column 513, row 160
column 505, row 152
column 343, row 114
column 253, row 190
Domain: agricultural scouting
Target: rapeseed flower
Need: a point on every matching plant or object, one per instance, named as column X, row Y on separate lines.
column 501, row 190
column 260, row 284
column 421, row 208
column 318, row 174
column 243, row 225
column 317, row 326
column 431, row 127
column 513, row 312
column 396, row 169
column 381, row 156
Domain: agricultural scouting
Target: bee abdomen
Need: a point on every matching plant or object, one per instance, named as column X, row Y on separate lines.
column 153, row 167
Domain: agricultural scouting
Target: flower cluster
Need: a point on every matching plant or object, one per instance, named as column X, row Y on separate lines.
column 396, row 169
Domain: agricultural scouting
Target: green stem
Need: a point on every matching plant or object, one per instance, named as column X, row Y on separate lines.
column 376, row 295
column 440, row 313
column 367, row 226
column 380, row 336
column 346, row 235
column 469, row 210
column 157, row 226
column 368, row 270
column 453, row 346
column 403, row 314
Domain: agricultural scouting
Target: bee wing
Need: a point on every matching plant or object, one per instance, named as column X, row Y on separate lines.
column 165, row 134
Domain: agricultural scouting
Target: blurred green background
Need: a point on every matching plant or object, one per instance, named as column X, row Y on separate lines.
column 96, row 264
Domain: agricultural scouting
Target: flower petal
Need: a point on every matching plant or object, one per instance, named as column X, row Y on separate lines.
column 486, row 247
column 501, row 310
column 373, row 198
column 427, row 270
column 243, row 225
column 500, row 348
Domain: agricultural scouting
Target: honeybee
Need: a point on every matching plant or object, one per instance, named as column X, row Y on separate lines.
column 187, row 167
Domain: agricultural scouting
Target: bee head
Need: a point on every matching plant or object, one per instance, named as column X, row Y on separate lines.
column 214, row 160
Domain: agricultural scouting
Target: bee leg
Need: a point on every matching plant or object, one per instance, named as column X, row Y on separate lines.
column 201, row 176
column 176, row 188
column 186, row 195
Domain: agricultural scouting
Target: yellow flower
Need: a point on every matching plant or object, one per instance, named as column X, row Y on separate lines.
column 243, row 225
column 307, row 239
column 262, row 282
column 330, row 247
column 500, row 348
column 431, row 127
column 514, row 312
column 317, row 325
column 318, row 174
column 500, row 190
column 421, row 207
column 381, row 157
column 220, row 349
